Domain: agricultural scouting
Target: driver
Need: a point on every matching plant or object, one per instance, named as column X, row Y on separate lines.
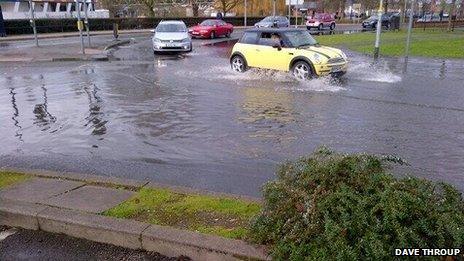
column 276, row 40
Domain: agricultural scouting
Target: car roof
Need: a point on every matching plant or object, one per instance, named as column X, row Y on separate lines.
column 172, row 22
column 274, row 30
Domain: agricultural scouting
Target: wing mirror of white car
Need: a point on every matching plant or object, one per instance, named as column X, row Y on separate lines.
column 152, row 31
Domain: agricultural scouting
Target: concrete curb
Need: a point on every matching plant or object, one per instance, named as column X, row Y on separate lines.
column 127, row 233
column 68, row 35
column 128, row 183
column 116, row 44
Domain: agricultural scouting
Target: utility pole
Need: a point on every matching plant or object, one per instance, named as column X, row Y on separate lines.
column 379, row 29
column 32, row 21
column 87, row 25
column 451, row 15
column 408, row 39
column 274, row 8
column 80, row 25
column 245, row 14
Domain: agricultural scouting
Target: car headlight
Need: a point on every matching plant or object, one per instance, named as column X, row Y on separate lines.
column 317, row 58
column 344, row 55
column 156, row 40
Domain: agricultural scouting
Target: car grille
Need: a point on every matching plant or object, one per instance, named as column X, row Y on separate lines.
column 337, row 60
column 171, row 41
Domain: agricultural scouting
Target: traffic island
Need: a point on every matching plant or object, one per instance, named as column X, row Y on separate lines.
column 131, row 214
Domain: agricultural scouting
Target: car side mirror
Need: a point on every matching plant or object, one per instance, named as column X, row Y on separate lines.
column 152, row 31
column 278, row 47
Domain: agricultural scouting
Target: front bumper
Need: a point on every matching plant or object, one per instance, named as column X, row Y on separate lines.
column 336, row 69
column 197, row 34
column 172, row 47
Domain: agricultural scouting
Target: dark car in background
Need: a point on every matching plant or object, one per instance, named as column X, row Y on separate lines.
column 273, row 21
column 387, row 19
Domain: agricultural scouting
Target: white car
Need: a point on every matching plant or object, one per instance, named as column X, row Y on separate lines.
column 171, row 36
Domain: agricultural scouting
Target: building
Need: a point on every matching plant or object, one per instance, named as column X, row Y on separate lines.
column 57, row 9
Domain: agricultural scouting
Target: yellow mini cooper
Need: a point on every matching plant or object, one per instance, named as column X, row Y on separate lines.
column 289, row 50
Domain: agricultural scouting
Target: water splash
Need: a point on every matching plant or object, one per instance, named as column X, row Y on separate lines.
column 365, row 71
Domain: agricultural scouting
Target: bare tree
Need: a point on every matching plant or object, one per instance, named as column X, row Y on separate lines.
column 227, row 5
column 149, row 6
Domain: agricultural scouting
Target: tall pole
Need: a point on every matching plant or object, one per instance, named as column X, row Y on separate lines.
column 379, row 29
column 80, row 25
column 34, row 28
column 87, row 26
column 245, row 14
column 403, row 16
column 274, row 8
column 408, row 39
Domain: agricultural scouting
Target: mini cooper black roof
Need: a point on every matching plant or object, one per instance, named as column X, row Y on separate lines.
column 274, row 30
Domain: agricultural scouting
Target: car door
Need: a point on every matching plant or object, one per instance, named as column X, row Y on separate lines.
column 221, row 28
column 269, row 56
column 249, row 48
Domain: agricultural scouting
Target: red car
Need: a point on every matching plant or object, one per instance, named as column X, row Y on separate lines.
column 211, row 28
column 321, row 21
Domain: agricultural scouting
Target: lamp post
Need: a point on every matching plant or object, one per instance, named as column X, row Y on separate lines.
column 379, row 29
column 408, row 39
column 245, row 14
column 80, row 25
column 34, row 28
column 274, row 8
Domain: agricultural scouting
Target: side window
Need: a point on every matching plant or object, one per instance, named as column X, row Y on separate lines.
column 249, row 38
column 270, row 39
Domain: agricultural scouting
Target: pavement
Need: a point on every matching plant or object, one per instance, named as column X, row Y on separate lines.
column 52, row 204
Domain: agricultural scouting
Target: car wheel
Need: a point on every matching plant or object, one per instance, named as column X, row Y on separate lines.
column 228, row 34
column 332, row 27
column 302, row 71
column 320, row 27
column 238, row 64
column 387, row 25
column 213, row 35
column 308, row 27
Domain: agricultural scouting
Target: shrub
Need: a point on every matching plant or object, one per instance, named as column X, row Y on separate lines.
column 334, row 206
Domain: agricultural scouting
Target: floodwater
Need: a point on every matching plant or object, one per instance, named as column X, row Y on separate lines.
column 189, row 120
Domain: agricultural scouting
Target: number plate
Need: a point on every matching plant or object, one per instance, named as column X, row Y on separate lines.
column 337, row 68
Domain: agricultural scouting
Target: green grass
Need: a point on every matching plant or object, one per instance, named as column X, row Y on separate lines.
column 9, row 178
column 429, row 43
column 220, row 216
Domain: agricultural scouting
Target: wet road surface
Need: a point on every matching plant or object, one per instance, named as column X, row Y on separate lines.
column 189, row 120
column 19, row 244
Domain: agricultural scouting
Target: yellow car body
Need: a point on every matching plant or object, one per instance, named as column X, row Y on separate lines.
column 259, row 52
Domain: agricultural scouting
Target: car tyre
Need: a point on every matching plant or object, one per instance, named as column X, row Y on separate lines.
column 301, row 70
column 320, row 27
column 238, row 64
column 228, row 34
column 332, row 27
column 212, row 35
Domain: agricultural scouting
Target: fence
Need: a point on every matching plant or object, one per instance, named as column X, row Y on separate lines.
column 438, row 24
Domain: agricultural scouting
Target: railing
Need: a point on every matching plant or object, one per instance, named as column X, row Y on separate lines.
column 438, row 24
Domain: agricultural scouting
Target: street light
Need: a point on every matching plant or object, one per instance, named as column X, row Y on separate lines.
column 408, row 39
column 245, row 14
column 274, row 8
column 80, row 25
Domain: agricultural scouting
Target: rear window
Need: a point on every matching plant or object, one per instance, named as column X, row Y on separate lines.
column 249, row 38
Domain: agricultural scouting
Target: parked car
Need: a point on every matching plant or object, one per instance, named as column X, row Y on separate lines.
column 291, row 50
column 273, row 21
column 433, row 18
column 321, row 21
column 371, row 22
column 171, row 36
column 211, row 28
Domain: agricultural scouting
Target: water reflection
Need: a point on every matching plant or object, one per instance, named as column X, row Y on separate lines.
column 15, row 117
column 269, row 112
column 95, row 118
column 43, row 118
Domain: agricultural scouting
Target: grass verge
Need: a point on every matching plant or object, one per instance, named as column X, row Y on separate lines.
column 220, row 216
column 9, row 178
column 428, row 43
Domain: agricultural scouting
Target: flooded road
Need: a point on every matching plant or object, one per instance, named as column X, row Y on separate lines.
column 189, row 120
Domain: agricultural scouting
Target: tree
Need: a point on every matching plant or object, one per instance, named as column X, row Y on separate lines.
column 149, row 6
column 195, row 7
column 227, row 5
